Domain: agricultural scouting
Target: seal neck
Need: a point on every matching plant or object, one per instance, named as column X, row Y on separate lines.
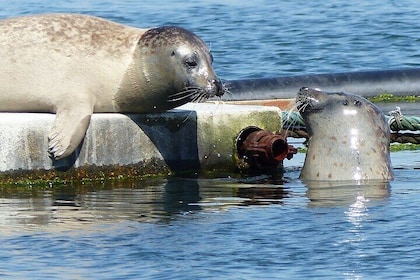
column 142, row 89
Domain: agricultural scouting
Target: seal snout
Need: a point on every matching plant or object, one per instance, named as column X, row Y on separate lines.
column 308, row 99
column 218, row 87
column 303, row 99
column 303, row 90
column 306, row 91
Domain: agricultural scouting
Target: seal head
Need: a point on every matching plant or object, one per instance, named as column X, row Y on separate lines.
column 173, row 66
column 348, row 137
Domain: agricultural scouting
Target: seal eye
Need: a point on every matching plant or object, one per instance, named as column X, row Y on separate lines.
column 357, row 103
column 345, row 103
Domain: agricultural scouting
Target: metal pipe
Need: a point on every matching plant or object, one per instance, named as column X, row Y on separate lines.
column 366, row 83
column 260, row 148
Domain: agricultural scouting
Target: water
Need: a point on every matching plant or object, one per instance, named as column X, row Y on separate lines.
column 272, row 38
column 178, row 228
column 227, row 227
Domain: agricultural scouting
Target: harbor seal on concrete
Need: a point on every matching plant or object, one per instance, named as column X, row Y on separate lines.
column 74, row 65
column 348, row 137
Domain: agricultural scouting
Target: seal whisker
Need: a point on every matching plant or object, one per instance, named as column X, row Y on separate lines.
column 187, row 90
column 183, row 95
column 289, row 122
column 195, row 99
column 226, row 91
column 302, row 104
column 187, row 117
column 199, row 98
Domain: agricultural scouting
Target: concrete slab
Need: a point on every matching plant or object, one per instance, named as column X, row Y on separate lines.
column 191, row 137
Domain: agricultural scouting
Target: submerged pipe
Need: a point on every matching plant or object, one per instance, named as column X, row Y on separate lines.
column 260, row 148
column 366, row 83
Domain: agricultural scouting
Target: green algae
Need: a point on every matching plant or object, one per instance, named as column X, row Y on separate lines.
column 390, row 98
column 396, row 147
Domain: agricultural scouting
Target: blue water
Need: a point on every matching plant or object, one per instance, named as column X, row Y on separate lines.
column 264, row 38
column 227, row 227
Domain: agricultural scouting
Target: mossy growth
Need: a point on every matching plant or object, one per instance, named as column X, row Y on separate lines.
column 390, row 98
column 85, row 175
column 396, row 147
column 302, row 149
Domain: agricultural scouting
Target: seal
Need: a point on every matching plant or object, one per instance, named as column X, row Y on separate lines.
column 74, row 65
column 348, row 137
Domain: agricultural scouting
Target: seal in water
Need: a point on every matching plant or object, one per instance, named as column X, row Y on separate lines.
column 348, row 137
column 74, row 65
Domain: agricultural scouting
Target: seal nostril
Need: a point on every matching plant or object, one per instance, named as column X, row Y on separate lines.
column 219, row 86
column 303, row 91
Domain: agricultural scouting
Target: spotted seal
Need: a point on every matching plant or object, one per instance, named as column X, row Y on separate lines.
column 348, row 137
column 74, row 65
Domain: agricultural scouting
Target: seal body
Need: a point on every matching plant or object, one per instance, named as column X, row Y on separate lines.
column 348, row 137
column 74, row 65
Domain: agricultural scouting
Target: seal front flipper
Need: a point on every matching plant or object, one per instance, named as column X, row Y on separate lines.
column 68, row 130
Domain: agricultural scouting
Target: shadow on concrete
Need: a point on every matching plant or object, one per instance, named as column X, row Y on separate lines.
column 175, row 136
column 66, row 163
column 173, row 133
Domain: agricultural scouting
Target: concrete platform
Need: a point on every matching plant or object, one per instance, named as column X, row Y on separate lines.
column 191, row 137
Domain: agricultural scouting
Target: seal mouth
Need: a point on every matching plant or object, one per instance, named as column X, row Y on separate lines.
column 307, row 101
column 198, row 94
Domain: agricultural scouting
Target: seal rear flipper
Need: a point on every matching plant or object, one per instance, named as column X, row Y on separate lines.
column 68, row 130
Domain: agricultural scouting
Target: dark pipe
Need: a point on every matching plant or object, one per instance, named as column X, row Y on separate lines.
column 366, row 83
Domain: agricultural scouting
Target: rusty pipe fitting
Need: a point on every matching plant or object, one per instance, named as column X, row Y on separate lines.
column 263, row 148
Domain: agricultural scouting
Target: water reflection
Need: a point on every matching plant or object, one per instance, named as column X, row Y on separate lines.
column 353, row 201
column 66, row 207
column 345, row 193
